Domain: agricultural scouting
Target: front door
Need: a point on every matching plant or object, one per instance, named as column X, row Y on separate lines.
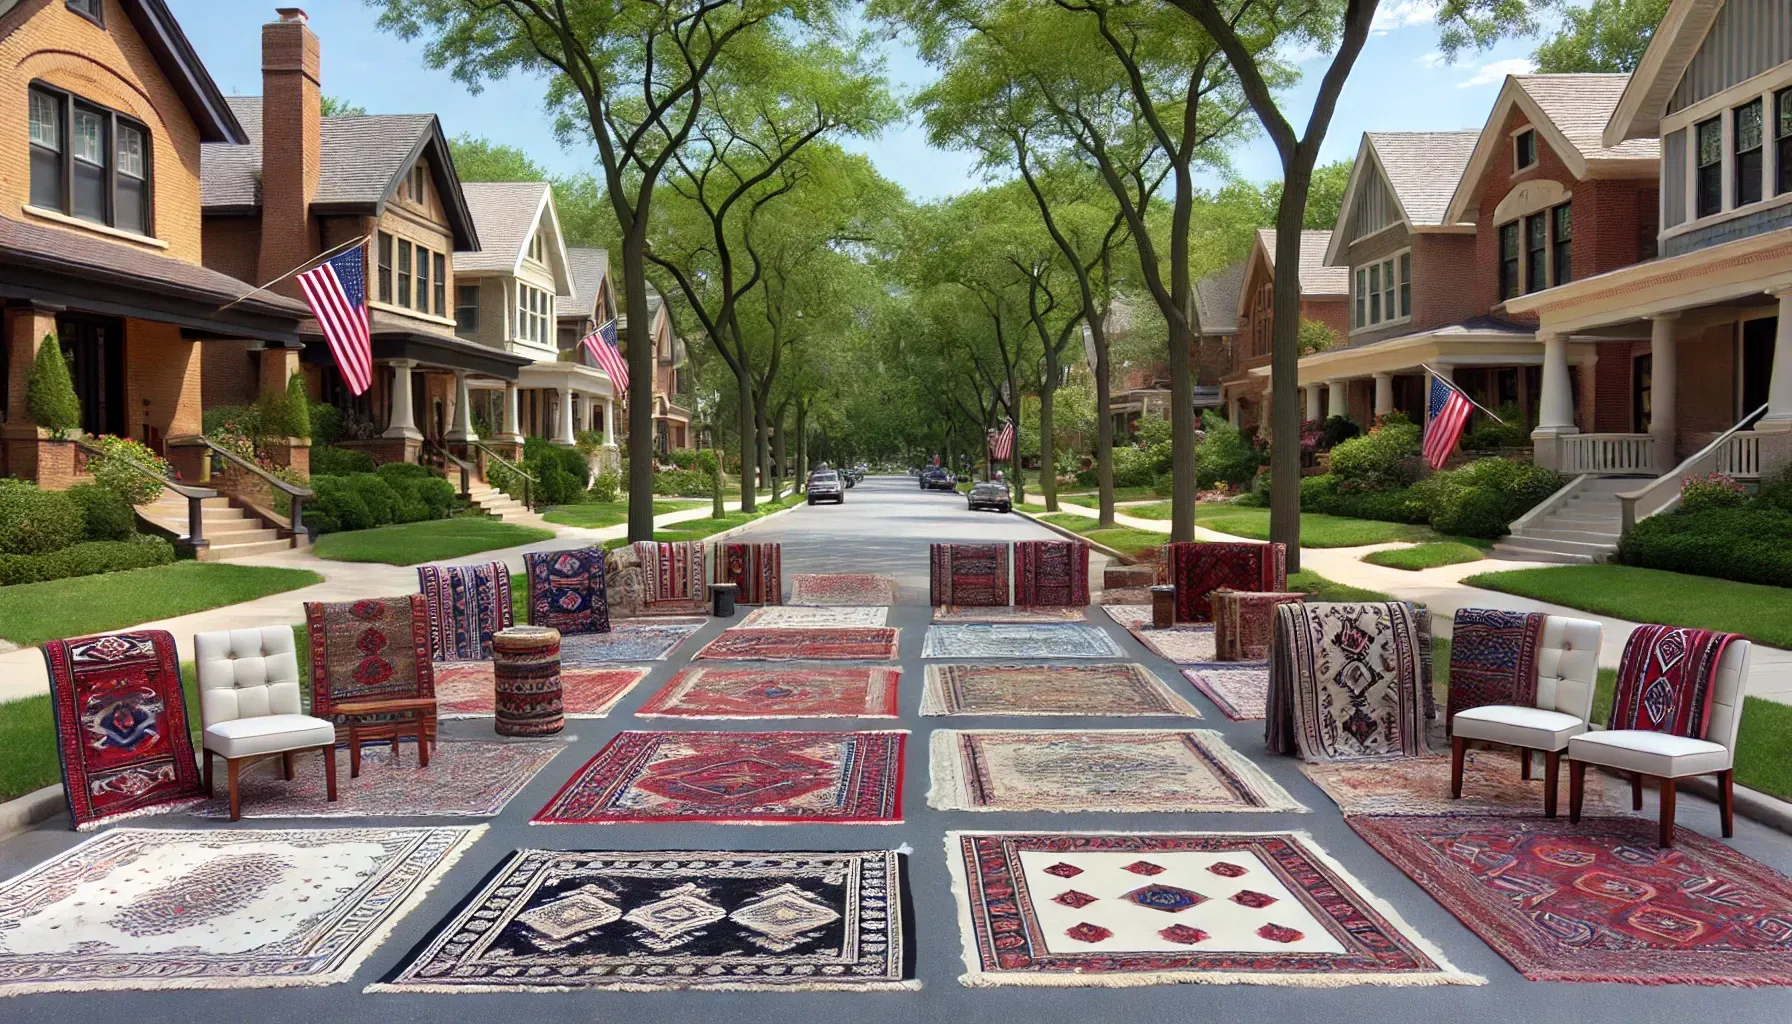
column 93, row 347
column 1757, row 361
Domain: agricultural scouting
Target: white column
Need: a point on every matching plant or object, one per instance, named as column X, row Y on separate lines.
column 509, row 432
column 1555, row 413
column 1779, row 386
column 566, row 435
column 1384, row 394
column 1232, row 410
column 1313, row 412
column 1340, row 405
column 1664, row 375
column 610, row 421
column 404, row 421
column 462, row 430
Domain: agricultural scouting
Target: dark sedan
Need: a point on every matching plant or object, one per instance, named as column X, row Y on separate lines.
column 990, row 494
column 936, row 479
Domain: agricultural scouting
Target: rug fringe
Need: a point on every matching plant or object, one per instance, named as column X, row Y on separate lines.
column 638, row 986
column 172, row 806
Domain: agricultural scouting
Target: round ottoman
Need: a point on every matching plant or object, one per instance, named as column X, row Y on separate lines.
column 526, row 674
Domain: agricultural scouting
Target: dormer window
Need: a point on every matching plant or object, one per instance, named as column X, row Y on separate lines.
column 92, row 10
column 418, row 176
column 538, row 248
column 1524, row 149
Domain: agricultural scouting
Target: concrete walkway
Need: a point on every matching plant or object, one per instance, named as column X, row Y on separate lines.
column 1442, row 590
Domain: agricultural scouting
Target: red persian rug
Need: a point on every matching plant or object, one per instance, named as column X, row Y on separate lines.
column 1598, row 901
column 1051, row 572
column 756, row 569
column 968, row 574
column 464, row 689
column 1198, row 568
column 372, row 649
column 876, row 643
column 736, row 777
column 702, row 692
column 121, row 726
column 467, row 604
column 1666, row 680
column 842, row 588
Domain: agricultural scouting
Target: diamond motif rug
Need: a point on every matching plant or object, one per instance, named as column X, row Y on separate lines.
column 973, row 574
column 749, row 778
column 566, row 920
column 625, row 642
column 1198, row 568
column 1179, row 645
column 566, row 590
column 1239, row 690
column 1051, row 572
column 1123, row 690
column 465, row 779
column 376, row 648
column 841, row 617
column 1019, row 640
column 465, row 689
column 138, row 909
column 809, row 692
column 1345, row 682
column 1120, row 770
column 1421, row 785
column 1112, row 909
column 1598, row 901
column 745, row 644
column 467, row 604
column 838, row 588
column 1041, row 613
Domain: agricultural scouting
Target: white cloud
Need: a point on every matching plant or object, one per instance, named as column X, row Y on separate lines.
column 1433, row 59
column 1402, row 13
column 1495, row 72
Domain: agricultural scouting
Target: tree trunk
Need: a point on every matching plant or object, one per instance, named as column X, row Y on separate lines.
column 1048, row 449
column 762, row 443
column 1284, row 363
column 749, row 486
column 640, row 371
column 1104, row 411
column 802, row 444
column 778, row 452
column 1182, row 384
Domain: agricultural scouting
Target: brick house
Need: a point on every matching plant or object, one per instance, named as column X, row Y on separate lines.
column 302, row 185
column 1324, row 293
column 101, row 247
column 671, row 418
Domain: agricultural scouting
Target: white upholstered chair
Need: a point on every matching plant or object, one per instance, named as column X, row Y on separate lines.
column 249, row 703
column 1567, row 672
column 1668, row 758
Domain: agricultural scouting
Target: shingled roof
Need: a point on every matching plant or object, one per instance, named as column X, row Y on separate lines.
column 1423, row 168
column 1216, row 300
column 1315, row 277
column 504, row 212
column 1581, row 106
column 589, row 269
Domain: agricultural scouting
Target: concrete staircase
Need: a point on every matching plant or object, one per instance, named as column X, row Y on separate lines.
column 232, row 532
column 496, row 503
column 1583, row 529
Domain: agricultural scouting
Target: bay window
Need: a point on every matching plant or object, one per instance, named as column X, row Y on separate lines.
column 1383, row 292
column 89, row 162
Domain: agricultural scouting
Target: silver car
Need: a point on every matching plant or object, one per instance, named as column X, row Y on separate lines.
column 825, row 486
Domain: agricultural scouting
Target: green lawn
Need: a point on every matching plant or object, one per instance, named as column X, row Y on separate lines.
column 1308, row 582
column 597, row 515
column 1124, row 539
column 1425, row 556
column 1760, row 613
column 1316, row 531
column 1092, row 499
column 31, row 613
column 697, row 529
column 412, row 543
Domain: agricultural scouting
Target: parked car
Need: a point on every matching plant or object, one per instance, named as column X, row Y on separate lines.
column 990, row 494
column 937, row 479
column 824, row 485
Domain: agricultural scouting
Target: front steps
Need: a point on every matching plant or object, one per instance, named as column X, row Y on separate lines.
column 497, row 504
column 1583, row 530
column 230, row 532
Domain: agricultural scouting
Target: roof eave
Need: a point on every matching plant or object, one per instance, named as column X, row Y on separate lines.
column 1630, row 119
column 186, row 72
column 1510, row 93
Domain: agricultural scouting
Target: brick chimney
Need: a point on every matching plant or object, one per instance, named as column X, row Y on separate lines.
column 291, row 141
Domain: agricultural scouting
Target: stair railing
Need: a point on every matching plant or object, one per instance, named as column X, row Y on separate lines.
column 447, row 458
column 295, row 493
column 1663, row 493
column 510, row 467
column 195, row 496
column 1549, row 505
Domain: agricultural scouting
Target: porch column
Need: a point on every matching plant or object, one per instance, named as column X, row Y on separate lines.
column 1338, row 403
column 1664, row 375
column 1779, row 387
column 610, row 421
column 1384, row 394
column 404, row 421
column 462, row 430
column 507, row 431
column 1313, row 412
column 1555, row 412
column 565, row 433
column 1232, row 410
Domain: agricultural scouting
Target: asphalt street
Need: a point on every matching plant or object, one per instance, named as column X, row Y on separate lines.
column 885, row 526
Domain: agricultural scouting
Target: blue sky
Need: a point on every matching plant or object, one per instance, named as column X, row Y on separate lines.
column 1399, row 84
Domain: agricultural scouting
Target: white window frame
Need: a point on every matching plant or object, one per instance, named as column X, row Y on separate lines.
column 1724, row 105
column 1362, row 303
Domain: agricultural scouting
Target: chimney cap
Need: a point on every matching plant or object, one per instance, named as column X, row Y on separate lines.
column 291, row 14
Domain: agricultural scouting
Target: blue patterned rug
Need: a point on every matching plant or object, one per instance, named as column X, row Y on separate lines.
column 626, row 641
column 1019, row 640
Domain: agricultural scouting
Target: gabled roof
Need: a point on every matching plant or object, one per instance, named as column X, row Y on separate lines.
column 1570, row 113
column 1671, row 50
column 590, row 272
column 1216, row 299
column 1419, row 169
column 1316, row 279
column 506, row 214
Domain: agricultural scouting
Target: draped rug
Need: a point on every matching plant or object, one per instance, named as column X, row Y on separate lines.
column 1244, row 621
column 1421, row 785
column 139, row 909
column 373, row 649
column 1239, row 689
column 968, row 574
column 655, row 578
column 842, row 588
column 747, row 778
column 467, row 689
column 1493, row 658
column 625, row 642
column 842, row 617
column 121, row 726
column 757, row 569
column 465, row 779
column 809, row 692
column 1597, row 901
column 467, row 604
column 1114, row 770
column 1115, row 909
column 1051, row 572
column 1344, row 682
column 876, row 643
column 1197, row 568
column 1667, row 678
column 1122, row 690
column 566, row 590
column 571, row 920
column 1019, row 640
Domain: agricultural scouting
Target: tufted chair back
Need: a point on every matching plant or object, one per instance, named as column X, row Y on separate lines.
column 1727, row 694
column 1568, row 665
column 246, row 673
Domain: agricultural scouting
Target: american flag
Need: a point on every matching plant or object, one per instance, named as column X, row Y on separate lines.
column 336, row 290
column 602, row 343
column 1446, row 413
column 1001, row 448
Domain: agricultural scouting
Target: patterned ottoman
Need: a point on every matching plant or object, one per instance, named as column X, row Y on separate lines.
column 526, row 676
column 1243, row 621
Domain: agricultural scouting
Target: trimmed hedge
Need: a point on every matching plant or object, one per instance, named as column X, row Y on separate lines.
column 35, row 522
column 1749, row 545
column 328, row 460
column 107, row 514
column 399, row 492
column 85, row 559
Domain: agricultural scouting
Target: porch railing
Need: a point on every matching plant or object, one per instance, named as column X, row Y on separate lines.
column 296, row 494
column 1663, row 493
column 1740, row 456
column 195, row 496
column 1608, row 454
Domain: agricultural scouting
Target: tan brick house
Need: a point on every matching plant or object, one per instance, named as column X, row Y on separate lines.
column 101, row 246
column 1323, row 294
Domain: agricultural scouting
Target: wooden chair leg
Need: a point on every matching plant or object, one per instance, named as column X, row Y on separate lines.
column 209, row 790
column 1726, row 800
column 1524, row 764
column 1577, row 789
column 1636, row 791
column 1552, row 773
column 236, row 799
column 1667, row 813
column 1458, row 750
column 354, row 752
column 422, row 741
column 328, row 751
column 286, row 765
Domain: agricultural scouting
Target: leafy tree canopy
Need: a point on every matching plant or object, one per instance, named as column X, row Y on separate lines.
column 1607, row 35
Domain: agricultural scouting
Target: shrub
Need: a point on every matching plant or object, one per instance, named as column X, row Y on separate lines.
column 1315, row 336
column 1775, row 491
column 684, row 458
column 1132, row 468
column 1750, row 545
column 329, row 460
column 1088, row 477
column 85, row 559
column 1482, row 498
column 1711, row 490
column 1337, row 430
column 1151, row 430
column 1223, row 456
column 606, row 488
column 1471, row 512
column 235, row 419
column 422, row 492
column 112, row 469
column 1381, row 460
column 683, row 482
column 35, row 522
column 326, row 422
column 589, row 442
column 558, row 487
column 298, row 407
column 50, row 395
column 107, row 515
column 398, row 493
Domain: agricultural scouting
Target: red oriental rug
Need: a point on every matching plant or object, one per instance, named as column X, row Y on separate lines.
column 373, row 649
column 842, row 588
column 702, row 692
column 968, row 574
column 121, row 726
column 751, row 778
column 743, row 644
column 1666, row 680
column 465, row 689
column 1051, row 572
column 1198, row 568
column 1599, row 901
column 756, row 569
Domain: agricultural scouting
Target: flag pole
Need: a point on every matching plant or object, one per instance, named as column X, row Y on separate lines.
column 301, row 268
column 1452, row 386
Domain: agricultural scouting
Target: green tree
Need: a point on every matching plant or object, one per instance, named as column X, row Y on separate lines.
column 50, row 397
column 336, row 106
column 477, row 159
column 1606, row 35
column 1316, row 337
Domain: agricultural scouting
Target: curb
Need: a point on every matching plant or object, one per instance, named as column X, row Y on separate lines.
column 20, row 813
column 1118, row 556
column 768, row 517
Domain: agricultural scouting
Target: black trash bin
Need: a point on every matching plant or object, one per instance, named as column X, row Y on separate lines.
column 721, row 599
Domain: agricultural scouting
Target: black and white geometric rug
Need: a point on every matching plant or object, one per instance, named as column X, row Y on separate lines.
column 560, row 920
